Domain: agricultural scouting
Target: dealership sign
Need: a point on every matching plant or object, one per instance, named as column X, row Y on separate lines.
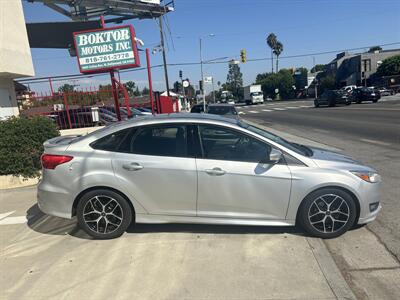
column 106, row 49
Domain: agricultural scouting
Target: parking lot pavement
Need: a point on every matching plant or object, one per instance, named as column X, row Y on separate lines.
column 50, row 258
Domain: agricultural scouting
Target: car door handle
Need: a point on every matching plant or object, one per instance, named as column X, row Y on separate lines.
column 132, row 167
column 215, row 172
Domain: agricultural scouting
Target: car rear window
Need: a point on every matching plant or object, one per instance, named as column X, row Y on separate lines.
column 222, row 110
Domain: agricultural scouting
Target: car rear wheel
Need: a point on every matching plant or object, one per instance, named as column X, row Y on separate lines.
column 316, row 104
column 374, row 101
column 104, row 214
column 327, row 213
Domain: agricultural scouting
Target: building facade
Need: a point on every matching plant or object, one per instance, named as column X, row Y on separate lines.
column 15, row 55
column 357, row 69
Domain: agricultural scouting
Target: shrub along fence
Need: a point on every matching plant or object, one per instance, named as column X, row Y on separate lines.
column 21, row 144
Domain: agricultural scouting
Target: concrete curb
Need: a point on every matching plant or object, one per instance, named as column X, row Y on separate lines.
column 331, row 272
column 12, row 182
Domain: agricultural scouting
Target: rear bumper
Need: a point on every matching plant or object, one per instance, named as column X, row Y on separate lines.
column 54, row 201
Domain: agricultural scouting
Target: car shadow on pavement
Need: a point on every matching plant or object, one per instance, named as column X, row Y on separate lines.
column 42, row 223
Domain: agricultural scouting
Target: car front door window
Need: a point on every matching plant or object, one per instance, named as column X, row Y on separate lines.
column 224, row 144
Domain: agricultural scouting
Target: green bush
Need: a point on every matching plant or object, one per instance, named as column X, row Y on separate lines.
column 21, row 144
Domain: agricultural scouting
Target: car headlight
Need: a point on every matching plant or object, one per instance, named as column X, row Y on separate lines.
column 367, row 176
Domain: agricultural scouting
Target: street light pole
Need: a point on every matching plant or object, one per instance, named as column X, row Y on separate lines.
column 163, row 54
column 202, row 76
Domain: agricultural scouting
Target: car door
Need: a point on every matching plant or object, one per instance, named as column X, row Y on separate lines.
column 234, row 179
column 153, row 162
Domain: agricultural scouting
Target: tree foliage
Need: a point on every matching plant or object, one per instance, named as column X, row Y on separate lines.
column 130, row 87
column 66, row 88
column 318, row 68
column 234, row 80
column 327, row 82
column 282, row 80
column 21, row 144
column 389, row 67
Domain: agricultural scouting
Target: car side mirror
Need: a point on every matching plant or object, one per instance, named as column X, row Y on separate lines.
column 275, row 156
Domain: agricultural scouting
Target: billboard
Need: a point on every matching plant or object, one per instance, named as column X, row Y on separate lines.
column 106, row 49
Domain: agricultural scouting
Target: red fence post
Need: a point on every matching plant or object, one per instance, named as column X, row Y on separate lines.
column 115, row 94
column 150, row 80
column 67, row 110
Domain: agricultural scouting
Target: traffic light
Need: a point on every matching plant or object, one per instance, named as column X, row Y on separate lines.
column 243, row 57
column 180, row 74
column 201, row 85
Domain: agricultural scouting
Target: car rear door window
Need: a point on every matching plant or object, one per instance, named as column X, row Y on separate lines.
column 225, row 144
column 164, row 140
column 112, row 141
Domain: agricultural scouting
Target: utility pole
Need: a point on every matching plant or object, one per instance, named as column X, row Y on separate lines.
column 202, row 76
column 163, row 53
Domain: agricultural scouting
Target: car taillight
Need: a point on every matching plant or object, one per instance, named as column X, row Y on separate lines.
column 51, row 161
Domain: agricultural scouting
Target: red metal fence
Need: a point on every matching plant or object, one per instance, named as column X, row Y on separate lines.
column 84, row 108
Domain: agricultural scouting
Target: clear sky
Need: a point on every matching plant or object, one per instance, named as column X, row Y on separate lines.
column 303, row 26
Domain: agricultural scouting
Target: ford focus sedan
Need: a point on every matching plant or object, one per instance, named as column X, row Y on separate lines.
column 201, row 168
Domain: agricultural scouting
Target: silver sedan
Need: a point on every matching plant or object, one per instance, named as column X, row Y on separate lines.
column 199, row 168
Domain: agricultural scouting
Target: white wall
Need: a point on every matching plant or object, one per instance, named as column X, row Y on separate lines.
column 15, row 54
column 8, row 101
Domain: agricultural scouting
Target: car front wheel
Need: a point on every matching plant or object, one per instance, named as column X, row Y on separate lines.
column 327, row 213
column 104, row 214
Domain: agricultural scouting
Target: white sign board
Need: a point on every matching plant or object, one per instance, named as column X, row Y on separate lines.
column 208, row 79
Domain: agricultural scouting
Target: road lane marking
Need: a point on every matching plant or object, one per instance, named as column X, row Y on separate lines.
column 253, row 111
column 268, row 110
column 292, row 107
column 5, row 215
column 375, row 142
column 278, row 108
column 241, row 113
column 13, row 220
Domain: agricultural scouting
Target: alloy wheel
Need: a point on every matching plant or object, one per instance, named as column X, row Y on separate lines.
column 103, row 214
column 328, row 213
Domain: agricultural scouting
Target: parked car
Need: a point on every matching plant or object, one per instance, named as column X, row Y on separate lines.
column 332, row 98
column 365, row 94
column 226, row 110
column 198, row 108
column 385, row 92
column 144, row 110
column 202, row 168
column 348, row 89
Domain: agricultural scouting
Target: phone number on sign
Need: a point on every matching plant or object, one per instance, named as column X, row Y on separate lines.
column 105, row 58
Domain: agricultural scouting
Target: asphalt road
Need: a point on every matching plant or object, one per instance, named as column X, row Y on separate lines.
column 374, row 123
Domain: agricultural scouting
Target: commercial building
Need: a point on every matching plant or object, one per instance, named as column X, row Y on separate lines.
column 15, row 55
column 357, row 69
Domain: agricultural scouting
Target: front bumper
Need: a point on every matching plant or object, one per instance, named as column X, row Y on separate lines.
column 368, row 193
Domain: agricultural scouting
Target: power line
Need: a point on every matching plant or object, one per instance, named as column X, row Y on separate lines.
column 71, row 76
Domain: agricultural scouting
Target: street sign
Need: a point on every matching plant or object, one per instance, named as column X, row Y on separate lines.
column 106, row 49
column 185, row 83
column 208, row 79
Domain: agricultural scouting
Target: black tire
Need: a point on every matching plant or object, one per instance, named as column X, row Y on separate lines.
column 314, row 208
column 374, row 101
column 110, row 209
column 316, row 104
column 348, row 103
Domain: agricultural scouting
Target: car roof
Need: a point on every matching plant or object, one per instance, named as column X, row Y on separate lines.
column 221, row 105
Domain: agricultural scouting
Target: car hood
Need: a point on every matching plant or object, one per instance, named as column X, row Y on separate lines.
column 330, row 159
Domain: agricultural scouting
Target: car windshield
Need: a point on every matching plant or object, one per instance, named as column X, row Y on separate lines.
column 300, row 149
column 222, row 110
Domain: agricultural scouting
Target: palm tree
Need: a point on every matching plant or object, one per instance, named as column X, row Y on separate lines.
column 271, row 42
column 277, row 51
